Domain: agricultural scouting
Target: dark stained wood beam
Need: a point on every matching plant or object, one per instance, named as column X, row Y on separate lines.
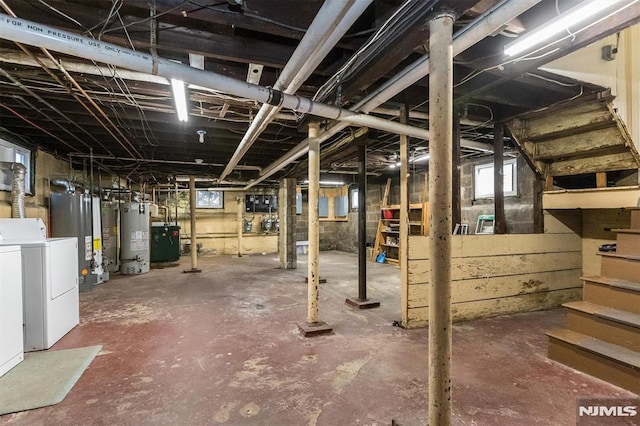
column 500, row 226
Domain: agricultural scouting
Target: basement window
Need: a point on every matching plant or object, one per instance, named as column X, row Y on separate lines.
column 483, row 179
column 10, row 153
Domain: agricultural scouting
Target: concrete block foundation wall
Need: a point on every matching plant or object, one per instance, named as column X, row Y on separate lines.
column 518, row 208
column 343, row 235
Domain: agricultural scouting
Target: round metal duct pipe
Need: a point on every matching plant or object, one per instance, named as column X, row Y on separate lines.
column 18, row 191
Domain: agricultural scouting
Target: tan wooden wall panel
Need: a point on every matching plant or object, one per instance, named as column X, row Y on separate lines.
column 465, row 246
column 498, row 266
column 498, row 287
column 516, row 304
column 419, row 317
column 563, row 222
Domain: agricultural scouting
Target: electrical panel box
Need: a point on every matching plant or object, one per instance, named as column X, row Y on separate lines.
column 165, row 243
column 261, row 203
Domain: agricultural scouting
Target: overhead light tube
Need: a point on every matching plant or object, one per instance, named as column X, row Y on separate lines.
column 570, row 18
column 423, row 157
column 180, row 98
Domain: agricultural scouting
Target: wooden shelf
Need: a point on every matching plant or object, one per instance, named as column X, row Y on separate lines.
column 417, row 226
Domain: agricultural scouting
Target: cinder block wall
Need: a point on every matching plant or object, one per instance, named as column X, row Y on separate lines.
column 518, row 209
column 343, row 235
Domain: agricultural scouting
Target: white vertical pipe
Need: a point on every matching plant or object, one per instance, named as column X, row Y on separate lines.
column 440, row 147
column 313, row 278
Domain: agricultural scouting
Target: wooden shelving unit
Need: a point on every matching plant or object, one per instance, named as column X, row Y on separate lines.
column 388, row 234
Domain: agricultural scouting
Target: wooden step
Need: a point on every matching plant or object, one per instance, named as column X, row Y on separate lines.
column 635, row 217
column 612, row 363
column 628, row 243
column 610, row 325
column 613, row 293
column 622, row 266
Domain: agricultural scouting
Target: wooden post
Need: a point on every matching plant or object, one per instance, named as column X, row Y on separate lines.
column 404, row 217
column 194, row 241
column 192, row 212
column 548, row 183
column 313, row 325
column 538, row 213
column 240, row 205
column 287, row 215
column 440, row 146
column 500, row 226
column 313, row 275
column 601, row 180
column 456, row 203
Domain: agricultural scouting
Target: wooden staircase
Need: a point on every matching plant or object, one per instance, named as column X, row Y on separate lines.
column 602, row 333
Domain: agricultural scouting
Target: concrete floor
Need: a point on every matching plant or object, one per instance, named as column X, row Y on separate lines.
column 222, row 347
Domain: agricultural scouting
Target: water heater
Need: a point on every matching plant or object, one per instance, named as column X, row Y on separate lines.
column 134, row 237
column 71, row 217
column 110, row 235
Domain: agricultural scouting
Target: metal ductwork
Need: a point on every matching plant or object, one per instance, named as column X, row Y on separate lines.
column 18, row 191
column 68, row 186
column 17, row 187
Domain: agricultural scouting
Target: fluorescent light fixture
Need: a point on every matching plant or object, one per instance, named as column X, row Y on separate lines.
column 423, row 157
column 570, row 18
column 180, row 98
column 327, row 182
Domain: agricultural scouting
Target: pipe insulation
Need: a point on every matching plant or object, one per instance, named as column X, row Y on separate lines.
column 18, row 191
column 482, row 27
column 39, row 35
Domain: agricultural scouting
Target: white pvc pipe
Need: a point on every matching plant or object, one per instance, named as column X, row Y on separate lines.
column 328, row 27
column 483, row 26
column 34, row 34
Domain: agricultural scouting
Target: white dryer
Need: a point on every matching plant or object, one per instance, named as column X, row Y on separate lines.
column 49, row 281
column 11, row 330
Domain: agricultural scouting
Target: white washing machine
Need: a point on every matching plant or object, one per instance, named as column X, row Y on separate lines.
column 11, row 330
column 49, row 281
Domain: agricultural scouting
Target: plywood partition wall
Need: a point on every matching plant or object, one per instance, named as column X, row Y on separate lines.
column 498, row 274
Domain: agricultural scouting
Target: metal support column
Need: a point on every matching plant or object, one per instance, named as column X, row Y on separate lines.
column 313, row 325
column 240, row 206
column 192, row 211
column 362, row 302
column 403, row 250
column 440, row 146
